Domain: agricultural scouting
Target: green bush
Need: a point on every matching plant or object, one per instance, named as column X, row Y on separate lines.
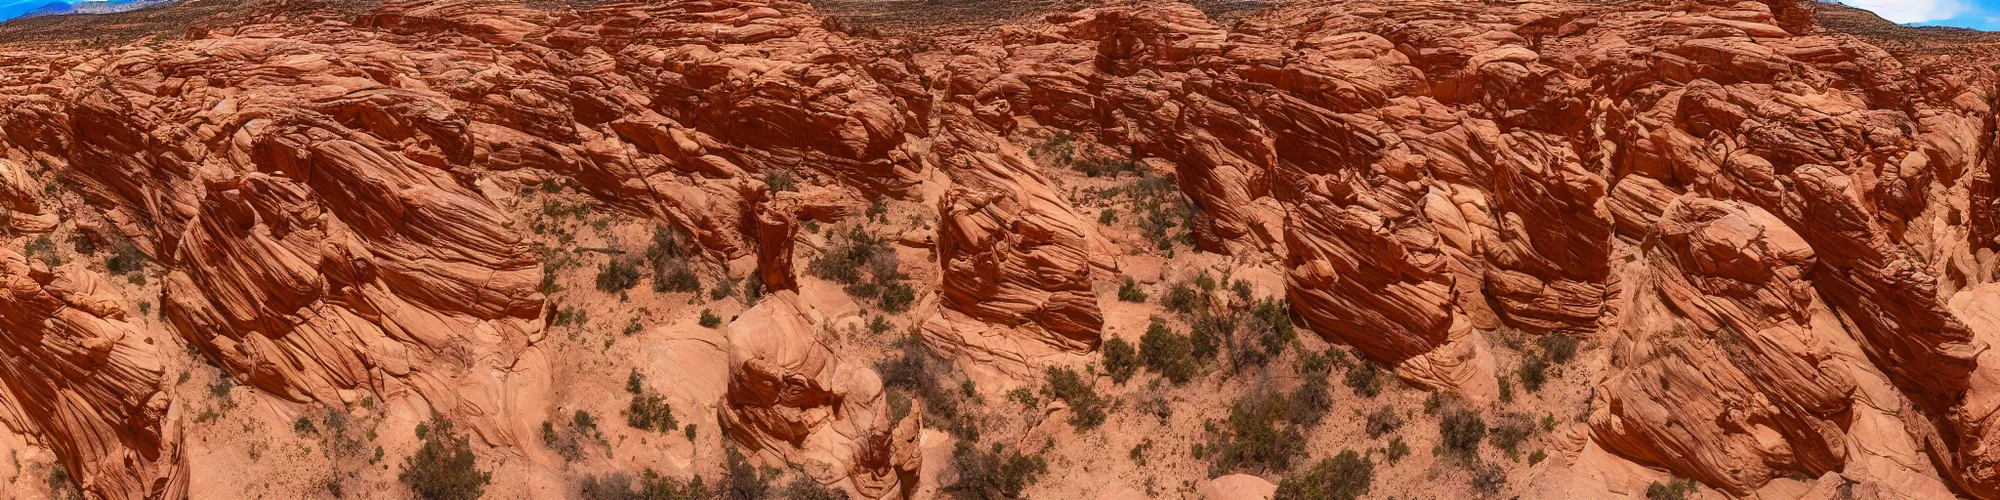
column 619, row 275
column 898, row 297
column 1383, row 420
column 846, row 256
column 1488, row 478
column 1397, row 450
column 443, row 467
column 675, row 277
column 125, row 258
column 1346, row 476
column 709, row 319
column 1254, row 441
column 1271, row 324
column 1673, row 489
column 63, row 486
column 1121, row 360
column 780, row 181
column 913, row 372
column 1560, row 348
column 652, row 486
column 1086, row 408
column 564, row 444
column 1167, row 353
column 1365, row 379
column 1108, row 216
column 1533, row 372
column 805, row 488
column 1310, row 402
column 1129, row 291
column 667, row 256
column 993, row 474
column 1459, row 433
column 647, row 410
column 45, row 248
column 1181, row 298
column 743, row 481
column 1510, row 431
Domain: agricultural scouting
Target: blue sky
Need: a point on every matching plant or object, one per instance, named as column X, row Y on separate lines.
column 10, row 9
column 1976, row 14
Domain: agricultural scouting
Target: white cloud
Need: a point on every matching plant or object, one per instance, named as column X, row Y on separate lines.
column 1913, row 11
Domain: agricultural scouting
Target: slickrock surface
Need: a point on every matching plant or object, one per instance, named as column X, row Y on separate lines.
column 1768, row 238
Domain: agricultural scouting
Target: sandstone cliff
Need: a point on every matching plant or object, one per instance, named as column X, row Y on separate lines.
column 1775, row 239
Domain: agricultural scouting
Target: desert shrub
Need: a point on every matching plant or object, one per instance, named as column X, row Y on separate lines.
column 879, row 325
column 1365, row 379
column 1310, row 402
column 1459, row 432
column 1121, row 360
column 1559, row 348
column 1104, row 167
column 564, row 444
column 1537, row 457
column 1315, row 364
column 1533, row 372
column 781, row 181
column 1167, row 353
column 443, row 467
column 1181, row 298
column 1673, row 489
column 1488, row 478
column 1162, row 210
column 304, row 426
column 992, row 474
column 1346, row 476
column 805, row 488
column 912, row 373
column 125, row 258
column 667, row 257
column 1383, row 420
column 1108, row 216
column 1129, row 291
column 618, row 275
column 709, row 319
column 1270, row 322
column 1510, row 431
column 1086, row 408
column 647, row 410
column 1254, row 439
column 845, row 257
column 63, row 486
column 1506, row 389
column 652, row 486
column 1397, row 450
column 675, row 277
column 898, row 297
column 742, row 480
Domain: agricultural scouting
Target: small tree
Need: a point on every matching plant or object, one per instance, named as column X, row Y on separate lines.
column 1346, row 476
column 993, row 474
column 443, row 467
column 1121, row 360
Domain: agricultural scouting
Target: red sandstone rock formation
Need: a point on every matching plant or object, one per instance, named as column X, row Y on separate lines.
column 1812, row 217
column 793, row 400
column 87, row 381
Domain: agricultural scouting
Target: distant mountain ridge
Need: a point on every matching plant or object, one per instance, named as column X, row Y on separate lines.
column 92, row 7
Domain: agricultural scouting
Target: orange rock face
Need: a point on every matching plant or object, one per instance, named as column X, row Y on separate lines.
column 1783, row 235
column 792, row 400
column 79, row 374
